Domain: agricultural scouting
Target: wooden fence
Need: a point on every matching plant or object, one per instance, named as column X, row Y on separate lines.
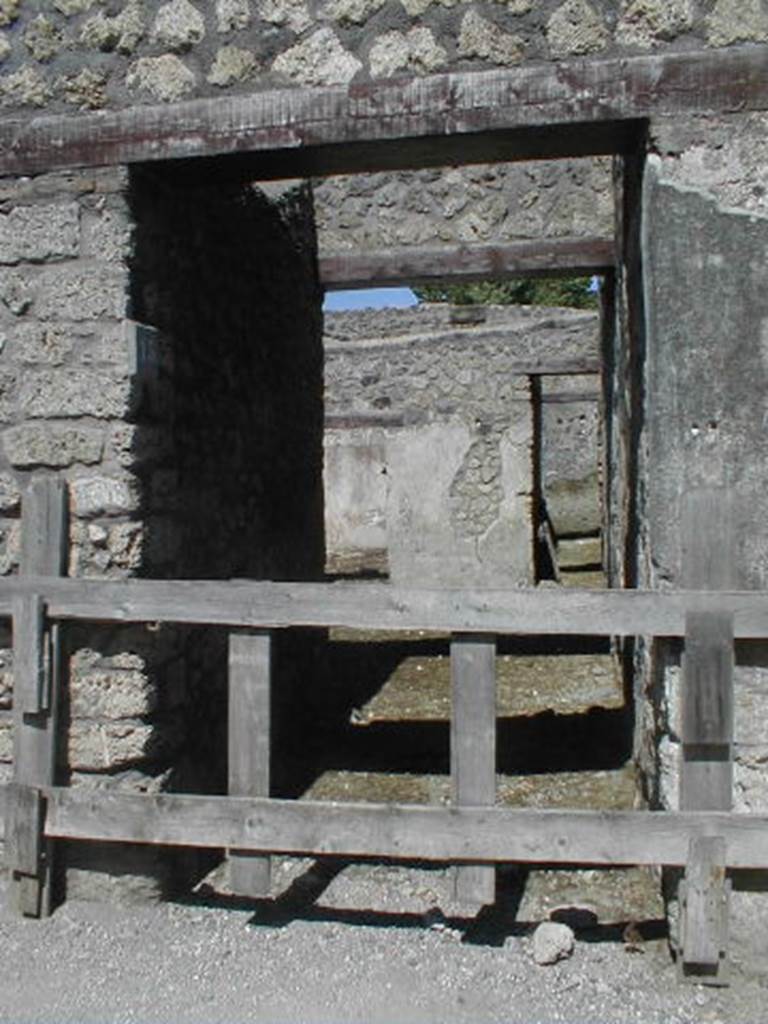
column 704, row 837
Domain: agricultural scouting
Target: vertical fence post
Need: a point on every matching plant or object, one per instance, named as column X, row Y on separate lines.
column 706, row 776
column 35, row 696
column 473, row 749
column 250, row 684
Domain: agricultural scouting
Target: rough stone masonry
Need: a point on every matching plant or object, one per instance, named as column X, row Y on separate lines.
column 73, row 272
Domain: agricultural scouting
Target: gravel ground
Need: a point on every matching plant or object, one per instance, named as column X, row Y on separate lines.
column 362, row 944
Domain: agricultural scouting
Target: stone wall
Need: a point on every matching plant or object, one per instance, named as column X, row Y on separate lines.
column 428, row 415
column 92, row 54
column 191, row 447
column 705, row 233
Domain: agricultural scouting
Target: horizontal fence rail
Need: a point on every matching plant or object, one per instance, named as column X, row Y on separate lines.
column 382, row 606
column 461, row 834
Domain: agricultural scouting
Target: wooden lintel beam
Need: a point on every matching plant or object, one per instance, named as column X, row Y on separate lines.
column 412, row 265
column 545, row 109
column 459, row 834
column 368, row 605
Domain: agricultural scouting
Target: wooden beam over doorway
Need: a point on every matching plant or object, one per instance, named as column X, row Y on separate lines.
column 412, row 265
column 545, row 110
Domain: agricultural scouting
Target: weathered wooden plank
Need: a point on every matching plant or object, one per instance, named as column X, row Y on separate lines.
column 544, row 109
column 707, row 711
column 23, row 828
column 489, row 834
column 413, row 265
column 43, row 551
column 250, row 681
column 473, row 749
column 704, row 921
column 706, row 776
column 29, row 660
column 372, row 605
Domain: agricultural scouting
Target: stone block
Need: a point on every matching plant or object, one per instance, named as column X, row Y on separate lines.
column 292, row 14
column 123, row 32
column 352, row 12
column 37, row 233
column 41, row 444
column 415, row 50
column 579, row 552
column 574, row 506
column 6, row 737
column 318, row 60
column 231, row 64
column 33, row 344
column 111, row 693
column 481, row 38
column 43, row 38
column 6, row 677
column 80, row 293
column 232, row 15
column 165, row 78
column 178, row 26
column 72, row 393
column 25, row 87
column 103, row 495
column 10, row 495
column 576, row 28
column 94, row 746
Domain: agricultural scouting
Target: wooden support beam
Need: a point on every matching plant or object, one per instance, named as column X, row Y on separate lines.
column 406, row 831
column 412, row 265
column 704, row 911
column 473, row 749
column 36, row 663
column 373, row 605
column 545, row 109
column 24, row 821
column 706, row 773
column 250, row 679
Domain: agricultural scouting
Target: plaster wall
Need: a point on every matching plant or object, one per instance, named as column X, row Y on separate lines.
column 704, row 242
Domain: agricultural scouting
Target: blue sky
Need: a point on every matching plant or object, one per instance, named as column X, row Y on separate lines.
column 370, row 298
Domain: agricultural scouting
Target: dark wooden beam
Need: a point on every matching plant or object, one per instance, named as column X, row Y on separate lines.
column 367, row 605
column 556, row 257
column 543, row 110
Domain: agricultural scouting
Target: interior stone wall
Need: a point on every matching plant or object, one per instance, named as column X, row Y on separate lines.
column 192, row 447
column 411, row 395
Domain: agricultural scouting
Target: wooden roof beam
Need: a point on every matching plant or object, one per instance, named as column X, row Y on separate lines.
column 411, row 265
column 567, row 108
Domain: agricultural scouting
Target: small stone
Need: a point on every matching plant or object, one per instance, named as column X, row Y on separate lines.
column 122, row 33
column 85, row 90
column 415, row 50
column 166, row 78
column 318, row 60
column 43, row 39
column 10, row 495
column 352, row 12
column 552, row 941
column 417, row 7
column 9, row 11
column 231, row 65
column 232, row 15
column 70, row 7
column 25, row 87
column 5, row 48
column 291, row 13
column 737, row 21
column 178, row 26
column 102, row 495
column 644, row 22
column 576, row 28
column 40, row 444
column 38, row 233
column 481, row 38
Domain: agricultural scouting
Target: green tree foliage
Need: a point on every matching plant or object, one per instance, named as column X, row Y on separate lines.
column 523, row 291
